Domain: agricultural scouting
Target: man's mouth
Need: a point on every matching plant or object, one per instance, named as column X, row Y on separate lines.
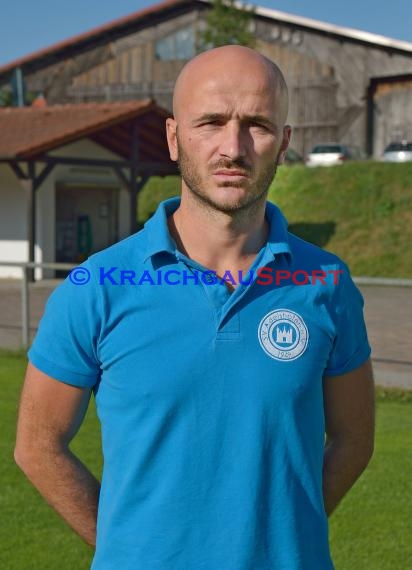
column 230, row 174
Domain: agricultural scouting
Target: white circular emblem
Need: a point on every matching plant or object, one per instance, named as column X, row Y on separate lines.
column 283, row 335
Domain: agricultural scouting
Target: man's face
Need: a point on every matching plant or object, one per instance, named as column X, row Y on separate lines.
column 228, row 137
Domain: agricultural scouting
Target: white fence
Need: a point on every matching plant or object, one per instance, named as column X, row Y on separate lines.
column 27, row 267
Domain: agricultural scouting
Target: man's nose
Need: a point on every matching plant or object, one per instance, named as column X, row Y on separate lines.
column 234, row 142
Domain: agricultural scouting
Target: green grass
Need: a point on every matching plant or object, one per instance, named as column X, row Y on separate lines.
column 370, row 530
column 32, row 536
column 360, row 211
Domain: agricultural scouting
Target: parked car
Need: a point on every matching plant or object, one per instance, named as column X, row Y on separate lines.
column 398, row 152
column 330, row 154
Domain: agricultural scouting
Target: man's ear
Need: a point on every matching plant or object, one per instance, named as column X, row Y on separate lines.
column 171, row 134
column 287, row 133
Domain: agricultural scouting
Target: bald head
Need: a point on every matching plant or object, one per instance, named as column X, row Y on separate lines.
column 228, row 133
column 230, row 65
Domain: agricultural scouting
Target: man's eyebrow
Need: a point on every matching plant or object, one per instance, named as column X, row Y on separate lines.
column 210, row 117
column 259, row 119
column 206, row 117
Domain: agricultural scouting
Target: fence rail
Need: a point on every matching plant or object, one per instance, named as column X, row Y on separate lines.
column 25, row 304
column 26, row 266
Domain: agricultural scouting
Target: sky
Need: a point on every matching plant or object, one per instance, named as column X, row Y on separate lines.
column 27, row 25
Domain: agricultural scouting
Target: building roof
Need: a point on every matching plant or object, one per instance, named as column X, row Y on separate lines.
column 28, row 133
column 334, row 30
column 169, row 8
column 113, row 29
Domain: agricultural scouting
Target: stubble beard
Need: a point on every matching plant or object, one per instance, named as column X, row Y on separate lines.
column 246, row 205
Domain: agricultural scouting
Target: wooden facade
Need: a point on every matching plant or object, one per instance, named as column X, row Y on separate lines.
column 328, row 69
column 389, row 105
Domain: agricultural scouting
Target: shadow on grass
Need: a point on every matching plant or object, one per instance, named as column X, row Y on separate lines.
column 319, row 234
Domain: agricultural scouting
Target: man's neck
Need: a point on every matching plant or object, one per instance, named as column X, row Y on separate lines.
column 217, row 240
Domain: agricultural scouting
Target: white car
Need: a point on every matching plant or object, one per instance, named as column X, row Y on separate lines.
column 398, row 152
column 331, row 154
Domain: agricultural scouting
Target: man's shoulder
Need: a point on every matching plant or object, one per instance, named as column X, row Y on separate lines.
column 309, row 253
column 130, row 250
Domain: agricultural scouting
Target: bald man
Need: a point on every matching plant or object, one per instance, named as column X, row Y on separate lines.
column 214, row 391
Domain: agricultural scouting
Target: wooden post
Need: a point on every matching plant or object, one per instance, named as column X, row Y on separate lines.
column 25, row 308
column 28, row 185
column 370, row 118
column 134, row 160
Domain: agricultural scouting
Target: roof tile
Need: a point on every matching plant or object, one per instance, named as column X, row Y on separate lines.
column 26, row 132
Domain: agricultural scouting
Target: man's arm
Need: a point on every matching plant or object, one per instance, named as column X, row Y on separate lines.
column 349, row 403
column 50, row 415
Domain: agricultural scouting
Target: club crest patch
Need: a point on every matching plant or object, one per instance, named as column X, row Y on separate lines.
column 283, row 335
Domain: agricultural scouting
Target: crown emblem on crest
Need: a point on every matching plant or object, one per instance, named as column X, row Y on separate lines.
column 284, row 335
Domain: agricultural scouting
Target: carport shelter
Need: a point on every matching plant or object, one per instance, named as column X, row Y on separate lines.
column 70, row 177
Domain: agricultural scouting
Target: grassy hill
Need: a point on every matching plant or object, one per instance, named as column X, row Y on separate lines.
column 360, row 211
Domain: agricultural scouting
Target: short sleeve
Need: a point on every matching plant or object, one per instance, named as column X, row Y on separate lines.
column 350, row 347
column 66, row 344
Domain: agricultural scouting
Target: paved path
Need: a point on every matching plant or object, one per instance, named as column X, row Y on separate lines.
column 388, row 313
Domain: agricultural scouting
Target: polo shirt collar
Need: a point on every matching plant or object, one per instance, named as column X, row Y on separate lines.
column 278, row 239
column 159, row 239
column 157, row 231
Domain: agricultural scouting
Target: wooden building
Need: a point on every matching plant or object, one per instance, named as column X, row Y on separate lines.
column 328, row 68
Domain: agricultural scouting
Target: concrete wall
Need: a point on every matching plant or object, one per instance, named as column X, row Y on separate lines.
column 13, row 244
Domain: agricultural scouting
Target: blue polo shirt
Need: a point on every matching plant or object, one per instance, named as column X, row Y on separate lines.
column 210, row 402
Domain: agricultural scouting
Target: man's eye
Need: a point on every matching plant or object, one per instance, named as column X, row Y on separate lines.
column 259, row 126
column 212, row 123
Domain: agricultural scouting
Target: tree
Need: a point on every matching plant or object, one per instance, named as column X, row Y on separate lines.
column 228, row 22
column 16, row 94
column 6, row 98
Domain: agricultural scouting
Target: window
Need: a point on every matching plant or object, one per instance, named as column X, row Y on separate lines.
column 179, row 45
column 399, row 146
